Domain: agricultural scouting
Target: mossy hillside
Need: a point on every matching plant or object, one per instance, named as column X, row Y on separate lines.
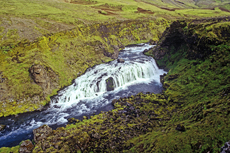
column 187, row 4
column 202, row 95
column 109, row 131
column 191, row 39
column 200, row 89
column 29, row 19
column 66, row 55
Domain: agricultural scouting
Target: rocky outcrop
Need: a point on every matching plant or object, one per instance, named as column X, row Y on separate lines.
column 44, row 77
column 172, row 36
column 41, row 133
column 187, row 39
column 26, row 147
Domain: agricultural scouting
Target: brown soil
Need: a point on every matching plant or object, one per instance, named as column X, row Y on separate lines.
column 106, row 8
column 164, row 8
column 82, row 2
column 217, row 19
column 140, row 10
column 107, row 13
column 224, row 9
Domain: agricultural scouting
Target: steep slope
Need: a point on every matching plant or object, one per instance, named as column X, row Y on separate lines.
column 197, row 56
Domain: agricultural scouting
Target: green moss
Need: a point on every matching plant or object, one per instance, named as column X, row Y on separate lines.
column 9, row 150
column 199, row 91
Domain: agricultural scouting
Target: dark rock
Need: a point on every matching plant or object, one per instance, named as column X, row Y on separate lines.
column 109, row 84
column 226, row 148
column 180, row 128
column 114, row 101
column 41, row 133
column 162, row 78
column 26, row 147
column 2, row 127
column 120, row 60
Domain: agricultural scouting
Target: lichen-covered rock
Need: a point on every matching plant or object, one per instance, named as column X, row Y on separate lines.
column 41, row 133
column 39, row 75
column 26, row 147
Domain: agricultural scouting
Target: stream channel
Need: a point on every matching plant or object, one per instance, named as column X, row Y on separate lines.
column 88, row 94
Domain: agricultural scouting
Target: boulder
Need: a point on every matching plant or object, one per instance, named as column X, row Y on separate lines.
column 109, row 84
column 41, row 133
column 226, row 148
column 120, row 60
column 2, row 127
column 162, row 78
column 26, row 147
column 180, row 128
column 39, row 75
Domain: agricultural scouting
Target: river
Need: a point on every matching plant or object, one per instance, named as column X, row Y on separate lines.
column 89, row 94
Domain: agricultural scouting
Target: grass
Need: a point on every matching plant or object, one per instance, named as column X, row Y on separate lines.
column 43, row 17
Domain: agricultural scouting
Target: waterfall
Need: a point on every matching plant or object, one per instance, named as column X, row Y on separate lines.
column 88, row 94
column 137, row 68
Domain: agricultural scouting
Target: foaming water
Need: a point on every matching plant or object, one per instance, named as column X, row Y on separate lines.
column 88, row 94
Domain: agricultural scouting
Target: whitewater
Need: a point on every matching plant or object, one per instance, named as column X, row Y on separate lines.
column 88, row 94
